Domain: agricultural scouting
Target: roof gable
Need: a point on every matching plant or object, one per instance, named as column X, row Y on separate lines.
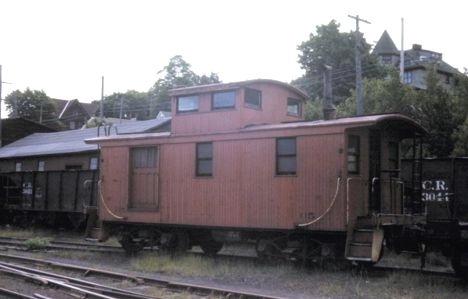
column 385, row 45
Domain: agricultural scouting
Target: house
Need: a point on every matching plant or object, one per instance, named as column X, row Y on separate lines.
column 74, row 114
column 417, row 62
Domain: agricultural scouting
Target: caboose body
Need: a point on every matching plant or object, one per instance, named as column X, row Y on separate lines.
column 240, row 162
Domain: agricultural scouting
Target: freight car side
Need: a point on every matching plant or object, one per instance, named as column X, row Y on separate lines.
column 50, row 197
column 444, row 190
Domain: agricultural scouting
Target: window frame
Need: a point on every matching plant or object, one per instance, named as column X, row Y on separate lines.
column 41, row 165
column 356, row 162
column 93, row 163
column 199, row 160
column 249, row 104
column 147, row 157
column 196, row 99
column 289, row 154
column 294, row 102
column 18, row 166
column 213, row 102
column 408, row 77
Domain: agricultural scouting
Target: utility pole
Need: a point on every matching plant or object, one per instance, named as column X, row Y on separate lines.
column 359, row 105
column 402, row 53
column 101, row 108
column 329, row 110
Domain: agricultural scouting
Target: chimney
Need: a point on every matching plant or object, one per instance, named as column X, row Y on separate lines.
column 417, row 47
column 329, row 110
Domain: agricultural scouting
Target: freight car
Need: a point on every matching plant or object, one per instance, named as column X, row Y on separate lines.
column 51, row 178
column 444, row 190
column 240, row 163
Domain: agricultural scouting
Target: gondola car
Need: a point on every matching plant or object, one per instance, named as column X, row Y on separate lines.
column 240, row 163
column 444, row 189
column 51, row 178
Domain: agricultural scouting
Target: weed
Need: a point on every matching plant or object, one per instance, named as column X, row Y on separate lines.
column 36, row 243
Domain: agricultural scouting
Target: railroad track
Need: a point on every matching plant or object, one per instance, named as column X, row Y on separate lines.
column 25, row 267
column 20, row 243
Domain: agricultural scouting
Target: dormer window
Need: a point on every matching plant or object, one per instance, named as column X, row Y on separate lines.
column 253, row 98
column 294, row 107
column 224, row 100
column 187, row 104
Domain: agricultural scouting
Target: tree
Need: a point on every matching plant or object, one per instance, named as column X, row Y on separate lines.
column 336, row 49
column 460, row 103
column 382, row 96
column 128, row 105
column 31, row 104
column 176, row 74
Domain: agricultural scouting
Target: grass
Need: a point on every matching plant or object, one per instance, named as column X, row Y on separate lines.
column 10, row 232
column 36, row 243
column 198, row 265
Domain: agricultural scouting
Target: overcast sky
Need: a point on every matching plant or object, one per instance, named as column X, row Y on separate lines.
column 65, row 47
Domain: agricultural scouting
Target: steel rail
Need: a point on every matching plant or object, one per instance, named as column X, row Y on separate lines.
column 226, row 292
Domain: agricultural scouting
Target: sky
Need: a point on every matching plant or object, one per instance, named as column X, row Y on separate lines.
column 65, row 47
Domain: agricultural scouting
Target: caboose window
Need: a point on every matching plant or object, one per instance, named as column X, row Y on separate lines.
column 253, row 98
column 285, row 156
column 187, row 104
column 223, row 100
column 294, row 107
column 204, row 165
column 353, row 154
column 144, row 157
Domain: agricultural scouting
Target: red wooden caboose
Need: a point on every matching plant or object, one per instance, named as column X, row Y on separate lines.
column 240, row 162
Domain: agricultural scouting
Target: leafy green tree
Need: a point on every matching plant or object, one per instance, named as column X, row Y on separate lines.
column 176, row 74
column 382, row 96
column 34, row 105
column 460, row 102
column 435, row 111
column 331, row 47
column 128, row 105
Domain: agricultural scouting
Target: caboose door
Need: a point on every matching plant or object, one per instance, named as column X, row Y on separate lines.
column 143, row 193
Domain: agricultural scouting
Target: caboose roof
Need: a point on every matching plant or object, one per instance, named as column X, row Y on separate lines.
column 405, row 125
column 395, row 121
column 233, row 85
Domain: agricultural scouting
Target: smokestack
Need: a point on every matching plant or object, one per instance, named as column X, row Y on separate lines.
column 329, row 110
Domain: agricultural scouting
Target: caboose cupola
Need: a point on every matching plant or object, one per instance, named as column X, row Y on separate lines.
column 227, row 107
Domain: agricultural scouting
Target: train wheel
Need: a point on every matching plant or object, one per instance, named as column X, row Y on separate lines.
column 269, row 249
column 210, row 246
column 176, row 241
column 130, row 245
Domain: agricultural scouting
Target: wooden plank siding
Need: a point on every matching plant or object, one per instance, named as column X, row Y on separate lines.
column 244, row 190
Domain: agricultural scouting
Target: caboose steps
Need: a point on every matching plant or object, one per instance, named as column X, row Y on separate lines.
column 364, row 242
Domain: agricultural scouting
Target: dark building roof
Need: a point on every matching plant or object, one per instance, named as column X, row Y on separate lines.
column 17, row 128
column 63, row 105
column 417, row 57
column 72, row 141
column 385, row 46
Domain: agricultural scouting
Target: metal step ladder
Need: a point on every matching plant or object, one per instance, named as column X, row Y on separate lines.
column 364, row 242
